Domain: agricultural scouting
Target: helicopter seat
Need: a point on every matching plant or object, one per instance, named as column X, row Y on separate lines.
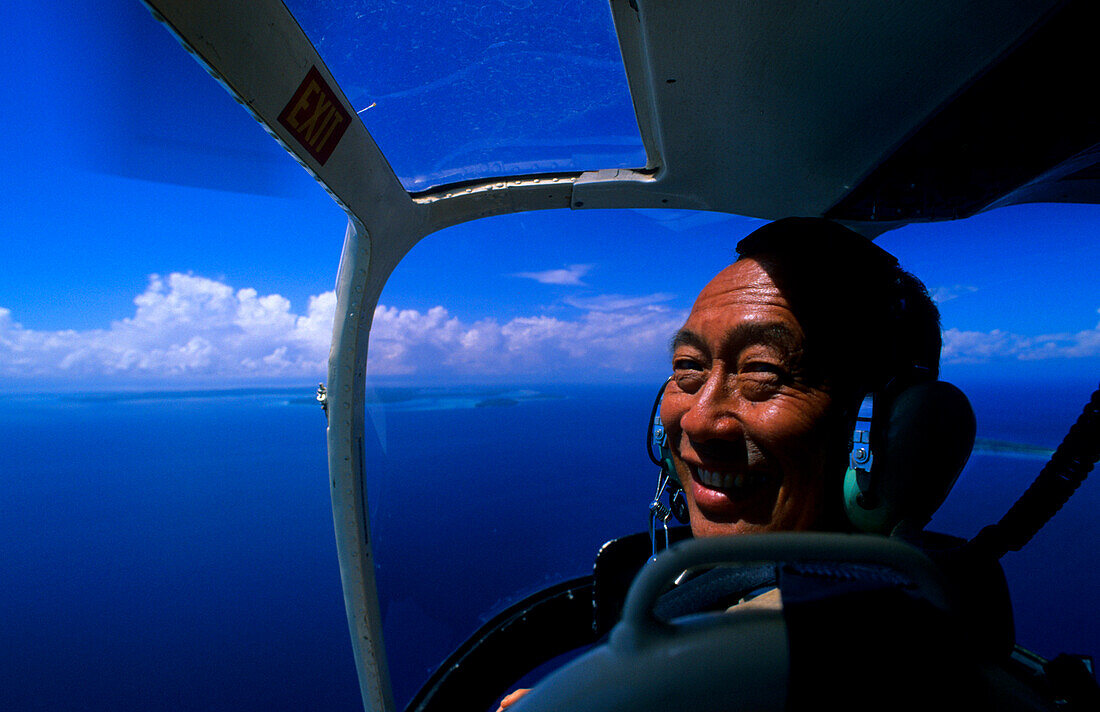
column 866, row 620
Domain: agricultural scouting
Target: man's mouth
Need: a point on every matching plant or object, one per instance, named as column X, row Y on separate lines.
column 740, row 483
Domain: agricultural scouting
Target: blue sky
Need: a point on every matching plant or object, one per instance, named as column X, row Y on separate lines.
column 157, row 237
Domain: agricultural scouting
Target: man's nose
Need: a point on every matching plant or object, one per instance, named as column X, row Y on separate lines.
column 713, row 413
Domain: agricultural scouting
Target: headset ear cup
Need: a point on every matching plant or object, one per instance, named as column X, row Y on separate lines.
column 922, row 438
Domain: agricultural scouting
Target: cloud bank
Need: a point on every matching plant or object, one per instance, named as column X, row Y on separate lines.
column 600, row 342
column 190, row 328
column 984, row 346
column 183, row 326
column 187, row 327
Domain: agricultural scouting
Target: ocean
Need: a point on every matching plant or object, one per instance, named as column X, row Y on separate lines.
column 175, row 550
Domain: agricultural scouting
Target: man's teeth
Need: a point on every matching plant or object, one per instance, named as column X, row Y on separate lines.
column 727, row 480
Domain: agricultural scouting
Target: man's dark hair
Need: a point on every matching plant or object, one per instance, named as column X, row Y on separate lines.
column 866, row 319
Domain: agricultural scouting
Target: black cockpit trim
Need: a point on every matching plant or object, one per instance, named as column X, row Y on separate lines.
column 1029, row 114
column 535, row 630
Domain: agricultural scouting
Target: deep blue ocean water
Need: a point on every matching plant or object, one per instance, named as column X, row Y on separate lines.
column 176, row 551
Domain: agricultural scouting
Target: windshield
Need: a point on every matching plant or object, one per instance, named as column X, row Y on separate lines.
column 513, row 363
column 453, row 91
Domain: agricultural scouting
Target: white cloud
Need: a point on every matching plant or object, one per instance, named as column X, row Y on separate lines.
column 617, row 302
column 982, row 346
column 681, row 220
column 183, row 326
column 945, row 294
column 571, row 275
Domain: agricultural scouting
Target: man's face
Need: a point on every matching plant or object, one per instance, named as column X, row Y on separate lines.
column 750, row 436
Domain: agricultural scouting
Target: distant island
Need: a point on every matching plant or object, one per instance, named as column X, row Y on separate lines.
column 289, row 392
column 496, row 403
column 1005, row 447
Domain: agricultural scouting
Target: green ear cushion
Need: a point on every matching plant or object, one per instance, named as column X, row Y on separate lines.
column 877, row 520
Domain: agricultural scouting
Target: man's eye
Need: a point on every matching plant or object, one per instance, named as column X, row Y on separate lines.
column 760, row 380
column 764, row 369
column 688, row 374
column 686, row 364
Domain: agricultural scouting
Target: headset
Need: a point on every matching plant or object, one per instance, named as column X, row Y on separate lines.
column 909, row 441
column 668, row 481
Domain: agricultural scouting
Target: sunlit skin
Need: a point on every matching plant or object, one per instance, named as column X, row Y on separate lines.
column 512, row 697
column 741, row 409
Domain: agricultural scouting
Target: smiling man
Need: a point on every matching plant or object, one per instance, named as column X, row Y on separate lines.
column 768, row 374
column 771, row 366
